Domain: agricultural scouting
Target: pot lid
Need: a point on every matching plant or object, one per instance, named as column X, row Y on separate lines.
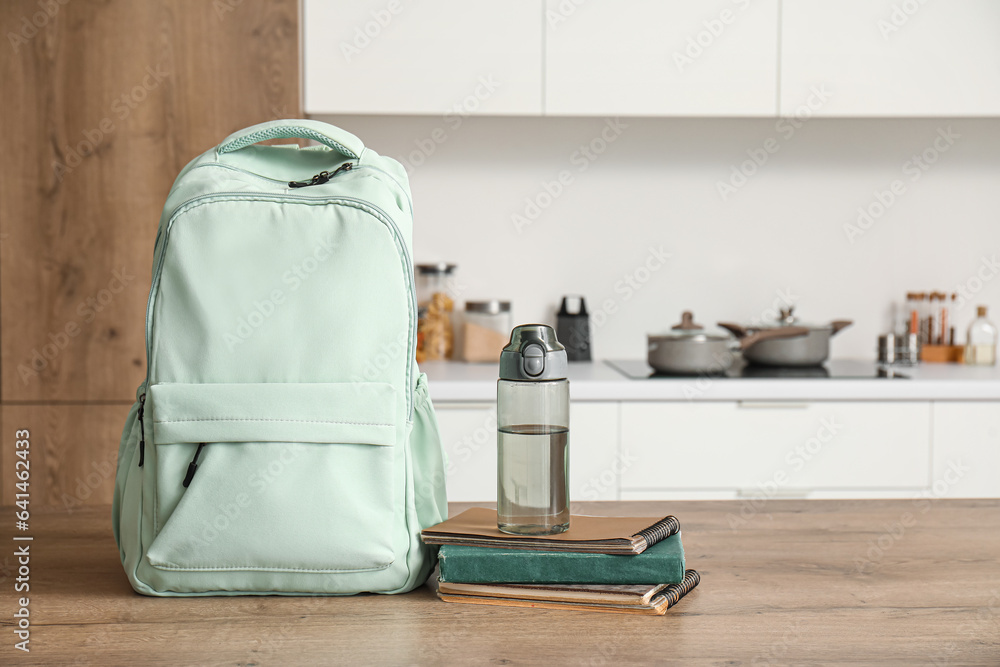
column 688, row 329
column 787, row 318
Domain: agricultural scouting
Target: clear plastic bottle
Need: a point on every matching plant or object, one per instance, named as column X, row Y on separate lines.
column 533, row 434
column 981, row 343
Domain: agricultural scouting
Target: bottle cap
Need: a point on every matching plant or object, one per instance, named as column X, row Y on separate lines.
column 533, row 355
column 981, row 311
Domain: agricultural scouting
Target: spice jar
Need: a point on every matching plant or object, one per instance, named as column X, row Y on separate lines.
column 435, row 337
column 484, row 330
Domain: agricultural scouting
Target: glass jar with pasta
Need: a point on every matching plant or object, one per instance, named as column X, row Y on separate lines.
column 435, row 336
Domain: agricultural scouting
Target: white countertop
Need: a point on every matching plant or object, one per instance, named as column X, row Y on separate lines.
column 598, row 381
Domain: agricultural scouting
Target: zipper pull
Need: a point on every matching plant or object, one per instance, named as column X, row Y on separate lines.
column 322, row 177
column 192, row 467
column 142, row 430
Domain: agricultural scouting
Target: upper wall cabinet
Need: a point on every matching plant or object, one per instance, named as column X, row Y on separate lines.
column 891, row 58
column 433, row 57
column 740, row 58
column 662, row 57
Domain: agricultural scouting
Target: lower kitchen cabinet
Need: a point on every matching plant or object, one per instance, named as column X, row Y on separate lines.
column 468, row 433
column 669, row 450
column 733, row 449
column 966, row 460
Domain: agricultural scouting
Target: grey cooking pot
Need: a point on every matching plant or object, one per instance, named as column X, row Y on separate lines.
column 809, row 350
column 688, row 349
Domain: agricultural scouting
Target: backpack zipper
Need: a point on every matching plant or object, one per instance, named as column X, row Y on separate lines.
column 321, row 178
column 357, row 165
column 360, row 204
column 142, row 428
column 192, row 467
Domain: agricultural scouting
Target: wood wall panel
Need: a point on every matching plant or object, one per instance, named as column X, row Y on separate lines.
column 73, row 452
column 103, row 105
column 149, row 85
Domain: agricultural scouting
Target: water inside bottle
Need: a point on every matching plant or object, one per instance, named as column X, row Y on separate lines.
column 533, row 467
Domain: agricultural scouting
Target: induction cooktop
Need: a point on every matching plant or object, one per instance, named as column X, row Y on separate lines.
column 837, row 369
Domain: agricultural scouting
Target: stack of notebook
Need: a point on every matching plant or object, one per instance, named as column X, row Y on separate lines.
column 616, row 564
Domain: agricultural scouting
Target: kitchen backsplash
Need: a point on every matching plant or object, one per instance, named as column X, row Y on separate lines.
column 730, row 218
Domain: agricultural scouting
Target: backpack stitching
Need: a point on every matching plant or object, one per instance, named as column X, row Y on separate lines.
column 264, row 419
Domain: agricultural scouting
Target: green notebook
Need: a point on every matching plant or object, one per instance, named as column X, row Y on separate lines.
column 662, row 563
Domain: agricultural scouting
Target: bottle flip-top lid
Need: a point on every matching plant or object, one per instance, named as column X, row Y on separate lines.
column 533, row 354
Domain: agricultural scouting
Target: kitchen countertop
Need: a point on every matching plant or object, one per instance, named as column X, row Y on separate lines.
column 795, row 582
column 599, row 381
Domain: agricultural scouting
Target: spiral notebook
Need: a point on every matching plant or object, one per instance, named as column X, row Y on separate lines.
column 477, row 527
column 650, row 599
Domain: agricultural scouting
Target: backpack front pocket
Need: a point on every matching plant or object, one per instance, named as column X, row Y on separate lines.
column 274, row 477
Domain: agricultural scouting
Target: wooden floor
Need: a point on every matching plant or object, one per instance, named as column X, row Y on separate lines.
column 800, row 582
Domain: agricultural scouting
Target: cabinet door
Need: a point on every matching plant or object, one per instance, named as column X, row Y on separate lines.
column 469, row 435
column 405, row 56
column 776, row 449
column 468, row 432
column 662, row 58
column 966, row 450
column 892, row 58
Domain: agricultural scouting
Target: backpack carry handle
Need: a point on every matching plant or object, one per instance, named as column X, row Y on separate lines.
column 332, row 137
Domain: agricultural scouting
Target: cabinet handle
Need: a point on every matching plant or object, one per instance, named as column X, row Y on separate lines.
column 781, row 494
column 771, row 405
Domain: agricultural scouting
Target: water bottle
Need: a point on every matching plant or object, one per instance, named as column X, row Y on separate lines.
column 533, row 433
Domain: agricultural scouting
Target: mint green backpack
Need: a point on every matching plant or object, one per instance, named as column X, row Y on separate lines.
column 283, row 441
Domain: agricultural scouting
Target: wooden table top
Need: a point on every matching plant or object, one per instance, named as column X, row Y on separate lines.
column 797, row 582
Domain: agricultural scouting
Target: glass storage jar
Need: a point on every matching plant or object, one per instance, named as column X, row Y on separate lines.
column 435, row 337
column 483, row 330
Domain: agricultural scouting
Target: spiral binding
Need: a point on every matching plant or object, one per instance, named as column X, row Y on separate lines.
column 660, row 530
column 674, row 592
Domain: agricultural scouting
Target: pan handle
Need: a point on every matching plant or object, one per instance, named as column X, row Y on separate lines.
column 838, row 325
column 736, row 329
column 768, row 334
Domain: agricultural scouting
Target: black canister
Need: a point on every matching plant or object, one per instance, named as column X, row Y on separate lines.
column 573, row 328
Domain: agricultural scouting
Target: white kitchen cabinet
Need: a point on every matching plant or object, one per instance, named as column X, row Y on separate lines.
column 408, row 57
column 662, row 58
column 775, row 449
column 468, row 432
column 469, row 436
column 966, row 450
column 891, row 58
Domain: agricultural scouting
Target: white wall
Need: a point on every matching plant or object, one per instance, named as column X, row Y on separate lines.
column 656, row 185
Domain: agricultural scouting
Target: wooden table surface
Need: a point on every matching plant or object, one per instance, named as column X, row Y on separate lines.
column 795, row 582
